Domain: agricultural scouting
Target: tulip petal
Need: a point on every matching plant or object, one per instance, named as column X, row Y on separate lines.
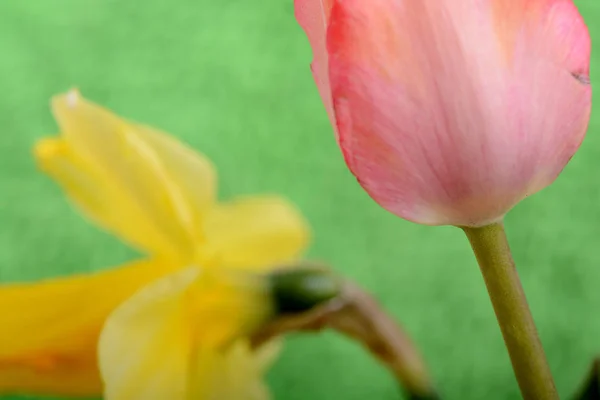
column 255, row 233
column 436, row 122
column 554, row 26
column 133, row 180
column 313, row 17
column 571, row 35
column 50, row 328
column 168, row 340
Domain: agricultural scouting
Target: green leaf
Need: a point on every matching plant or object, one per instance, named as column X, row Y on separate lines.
column 590, row 390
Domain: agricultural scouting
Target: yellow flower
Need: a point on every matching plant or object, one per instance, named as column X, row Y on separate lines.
column 182, row 338
column 159, row 196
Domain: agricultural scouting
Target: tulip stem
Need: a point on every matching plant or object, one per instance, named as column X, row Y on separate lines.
column 514, row 317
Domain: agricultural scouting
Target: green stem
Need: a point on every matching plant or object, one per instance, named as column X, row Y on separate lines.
column 514, row 317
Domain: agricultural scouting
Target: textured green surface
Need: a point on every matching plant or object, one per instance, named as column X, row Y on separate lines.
column 231, row 78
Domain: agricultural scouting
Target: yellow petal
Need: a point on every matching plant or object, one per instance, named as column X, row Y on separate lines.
column 190, row 171
column 266, row 355
column 255, row 233
column 49, row 331
column 235, row 374
column 144, row 347
column 133, row 180
column 100, row 199
column 150, row 346
column 76, row 379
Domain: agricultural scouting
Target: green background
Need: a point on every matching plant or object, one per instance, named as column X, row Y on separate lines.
column 231, row 78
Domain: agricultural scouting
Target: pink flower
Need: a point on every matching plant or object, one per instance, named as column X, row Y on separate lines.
column 450, row 112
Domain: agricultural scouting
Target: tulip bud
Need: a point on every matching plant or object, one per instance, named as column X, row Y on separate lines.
column 450, row 113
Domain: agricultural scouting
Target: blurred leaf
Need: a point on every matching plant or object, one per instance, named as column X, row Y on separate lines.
column 419, row 397
column 590, row 390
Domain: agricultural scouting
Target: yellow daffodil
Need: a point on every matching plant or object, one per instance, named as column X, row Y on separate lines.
column 184, row 338
column 171, row 331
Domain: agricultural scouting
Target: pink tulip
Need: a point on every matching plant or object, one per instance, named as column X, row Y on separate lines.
column 450, row 112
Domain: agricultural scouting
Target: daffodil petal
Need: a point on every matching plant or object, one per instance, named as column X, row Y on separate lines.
column 152, row 189
column 144, row 348
column 98, row 197
column 255, row 233
column 77, row 380
column 193, row 173
column 170, row 339
column 236, row 374
column 268, row 353
column 50, row 328
column 114, row 148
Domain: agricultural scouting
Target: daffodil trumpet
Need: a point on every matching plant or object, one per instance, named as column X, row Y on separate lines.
column 188, row 336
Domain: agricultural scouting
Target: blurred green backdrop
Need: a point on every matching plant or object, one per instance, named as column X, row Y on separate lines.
column 231, row 78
